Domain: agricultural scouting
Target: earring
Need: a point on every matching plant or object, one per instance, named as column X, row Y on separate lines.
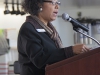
column 41, row 9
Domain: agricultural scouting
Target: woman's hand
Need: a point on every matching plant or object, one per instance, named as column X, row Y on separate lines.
column 80, row 48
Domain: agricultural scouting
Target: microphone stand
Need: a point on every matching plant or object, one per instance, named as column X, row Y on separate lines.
column 77, row 30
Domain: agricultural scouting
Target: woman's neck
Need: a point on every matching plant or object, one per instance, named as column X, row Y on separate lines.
column 43, row 20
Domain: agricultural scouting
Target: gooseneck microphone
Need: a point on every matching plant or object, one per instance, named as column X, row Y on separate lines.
column 77, row 25
column 74, row 22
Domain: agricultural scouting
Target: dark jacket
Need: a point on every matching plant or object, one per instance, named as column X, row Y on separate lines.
column 37, row 49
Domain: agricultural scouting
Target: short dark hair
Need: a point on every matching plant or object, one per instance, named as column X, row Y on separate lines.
column 31, row 6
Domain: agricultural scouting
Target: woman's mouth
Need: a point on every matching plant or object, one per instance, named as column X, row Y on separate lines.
column 55, row 13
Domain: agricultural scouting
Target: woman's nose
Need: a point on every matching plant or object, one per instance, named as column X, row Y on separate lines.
column 57, row 6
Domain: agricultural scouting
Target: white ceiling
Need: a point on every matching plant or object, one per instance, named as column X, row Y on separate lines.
column 2, row 1
column 70, row 2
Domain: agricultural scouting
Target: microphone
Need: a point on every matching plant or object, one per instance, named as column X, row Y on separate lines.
column 74, row 22
column 77, row 25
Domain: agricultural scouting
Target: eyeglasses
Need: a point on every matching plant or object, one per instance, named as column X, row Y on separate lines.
column 54, row 3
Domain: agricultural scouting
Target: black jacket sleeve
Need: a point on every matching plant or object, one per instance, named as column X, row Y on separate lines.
column 41, row 53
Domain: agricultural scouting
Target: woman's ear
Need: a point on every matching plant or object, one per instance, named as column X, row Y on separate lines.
column 40, row 7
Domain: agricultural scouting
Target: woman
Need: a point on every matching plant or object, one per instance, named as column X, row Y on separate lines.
column 38, row 42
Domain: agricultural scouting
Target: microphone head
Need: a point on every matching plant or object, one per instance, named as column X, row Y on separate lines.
column 65, row 16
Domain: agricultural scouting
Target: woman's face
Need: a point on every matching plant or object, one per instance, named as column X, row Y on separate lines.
column 50, row 10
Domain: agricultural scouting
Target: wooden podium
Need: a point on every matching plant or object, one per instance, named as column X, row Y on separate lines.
column 83, row 64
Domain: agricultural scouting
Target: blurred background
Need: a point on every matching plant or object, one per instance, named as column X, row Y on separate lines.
column 12, row 17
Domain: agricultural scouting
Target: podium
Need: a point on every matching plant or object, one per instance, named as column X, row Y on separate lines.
column 83, row 64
